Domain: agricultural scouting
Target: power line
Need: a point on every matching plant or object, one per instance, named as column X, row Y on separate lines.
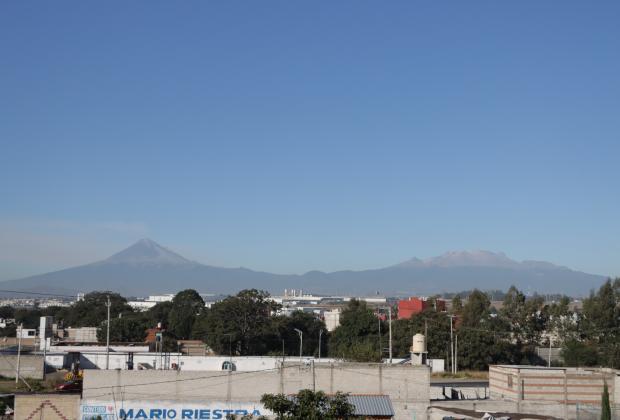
column 37, row 293
column 192, row 379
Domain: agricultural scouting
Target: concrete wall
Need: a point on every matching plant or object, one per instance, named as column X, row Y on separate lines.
column 407, row 386
column 564, row 385
column 56, row 361
column 553, row 410
column 30, row 366
column 47, row 406
column 97, row 360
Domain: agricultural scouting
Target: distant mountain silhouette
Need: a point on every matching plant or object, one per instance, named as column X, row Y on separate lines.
column 148, row 268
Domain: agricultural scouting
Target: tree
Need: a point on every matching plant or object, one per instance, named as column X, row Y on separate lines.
column 357, row 337
column 158, row 314
column 123, row 330
column 340, row 407
column 457, row 304
column 562, row 322
column 605, row 406
column 92, row 310
column 284, row 331
column 309, row 405
column 526, row 318
column 29, row 318
column 7, row 312
column 435, row 324
column 600, row 323
column 242, row 323
column 579, row 353
column 186, row 306
column 477, row 309
column 8, row 331
column 278, row 404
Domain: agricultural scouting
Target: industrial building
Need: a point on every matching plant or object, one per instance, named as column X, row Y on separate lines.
column 414, row 305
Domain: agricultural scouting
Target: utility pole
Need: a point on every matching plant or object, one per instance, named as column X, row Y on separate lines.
column 301, row 343
column 107, row 339
column 549, row 361
column 390, row 329
column 19, row 352
column 320, row 334
column 425, row 335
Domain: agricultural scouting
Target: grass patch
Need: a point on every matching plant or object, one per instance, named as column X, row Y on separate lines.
column 463, row 374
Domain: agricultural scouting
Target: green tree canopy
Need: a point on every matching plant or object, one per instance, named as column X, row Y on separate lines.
column 605, row 405
column 357, row 337
column 158, row 314
column 123, row 330
column 309, row 325
column 7, row 312
column 599, row 327
column 526, row 318
column 435, row 324
column 477, row 309
column 457, row 304
column 309, row 405
column 92, row 310
column 242, row 322
column 186, row 306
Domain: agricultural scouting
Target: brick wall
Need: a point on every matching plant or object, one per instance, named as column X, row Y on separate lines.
column 563, row 385
column 47, row 406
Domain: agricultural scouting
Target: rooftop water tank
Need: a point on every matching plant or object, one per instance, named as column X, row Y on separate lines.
column 419, row 343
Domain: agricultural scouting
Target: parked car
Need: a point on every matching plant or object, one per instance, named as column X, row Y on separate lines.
column 70, row 386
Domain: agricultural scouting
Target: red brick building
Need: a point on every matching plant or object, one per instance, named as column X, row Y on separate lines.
column 414, row 305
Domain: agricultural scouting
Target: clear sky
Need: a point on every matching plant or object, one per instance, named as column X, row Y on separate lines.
column 289, row 136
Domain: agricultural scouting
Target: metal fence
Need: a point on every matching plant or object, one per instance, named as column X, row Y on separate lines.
column 593, row 412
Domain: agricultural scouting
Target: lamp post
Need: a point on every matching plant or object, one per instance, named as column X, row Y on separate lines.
column 301, row 342
column 320, row 334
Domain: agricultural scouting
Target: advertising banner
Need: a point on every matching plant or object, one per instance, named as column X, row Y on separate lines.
column 167, row 410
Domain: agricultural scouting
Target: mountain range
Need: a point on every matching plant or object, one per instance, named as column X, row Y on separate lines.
column 149, row 268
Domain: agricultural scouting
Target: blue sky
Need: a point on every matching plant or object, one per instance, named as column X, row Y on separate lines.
column 289, row 136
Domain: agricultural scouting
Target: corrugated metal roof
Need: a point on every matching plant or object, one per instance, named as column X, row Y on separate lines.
column 371, row 405
column 368, row 405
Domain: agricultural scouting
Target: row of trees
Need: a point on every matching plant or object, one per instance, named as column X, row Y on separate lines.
column 245, row 324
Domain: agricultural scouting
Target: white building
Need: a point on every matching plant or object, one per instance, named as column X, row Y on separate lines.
column 332, row 319
column 26, row 332
column 4, row 322
column 148, row 303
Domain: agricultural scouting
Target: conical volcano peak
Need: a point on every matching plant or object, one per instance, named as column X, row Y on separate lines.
column 147, row 251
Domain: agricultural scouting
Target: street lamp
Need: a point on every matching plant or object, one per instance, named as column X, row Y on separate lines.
column 320, row 334
column 301, row 342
